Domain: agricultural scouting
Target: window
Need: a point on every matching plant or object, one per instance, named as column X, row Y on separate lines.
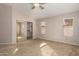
column 43, row 27
column 68, row 27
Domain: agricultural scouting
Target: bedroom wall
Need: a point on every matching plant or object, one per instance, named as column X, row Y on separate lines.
column 5, row 24
column 55, row 28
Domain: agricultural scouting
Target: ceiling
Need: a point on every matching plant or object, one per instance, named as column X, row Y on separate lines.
column 50, row 9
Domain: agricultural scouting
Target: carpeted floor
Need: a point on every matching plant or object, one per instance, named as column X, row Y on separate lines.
column 39, row 47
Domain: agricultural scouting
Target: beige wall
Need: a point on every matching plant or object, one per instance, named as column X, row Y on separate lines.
column 55, row 28
column 5, row 24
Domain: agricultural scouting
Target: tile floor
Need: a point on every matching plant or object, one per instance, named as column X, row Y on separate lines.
column 39, row 47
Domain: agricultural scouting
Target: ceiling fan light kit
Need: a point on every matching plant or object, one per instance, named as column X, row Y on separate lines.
column 37, row 5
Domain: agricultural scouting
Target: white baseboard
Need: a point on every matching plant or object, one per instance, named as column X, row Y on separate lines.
column 70, row 43
column 7, row 43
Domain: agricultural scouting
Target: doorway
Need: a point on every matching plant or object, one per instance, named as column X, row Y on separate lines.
column 19, row 32
column 29, row 30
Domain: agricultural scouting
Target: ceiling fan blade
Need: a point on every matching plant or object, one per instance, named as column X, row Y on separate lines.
column 41, row 7
column 33, row 7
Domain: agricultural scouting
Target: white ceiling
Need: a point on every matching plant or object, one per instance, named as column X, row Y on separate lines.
column 51, row 9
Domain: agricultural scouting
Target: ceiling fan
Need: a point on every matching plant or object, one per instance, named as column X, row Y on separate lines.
column 38, row 5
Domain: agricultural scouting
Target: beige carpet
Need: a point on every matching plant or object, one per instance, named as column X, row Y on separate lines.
column 39, row 47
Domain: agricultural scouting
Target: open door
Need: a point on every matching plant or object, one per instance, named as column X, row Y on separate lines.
column 29, row 30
